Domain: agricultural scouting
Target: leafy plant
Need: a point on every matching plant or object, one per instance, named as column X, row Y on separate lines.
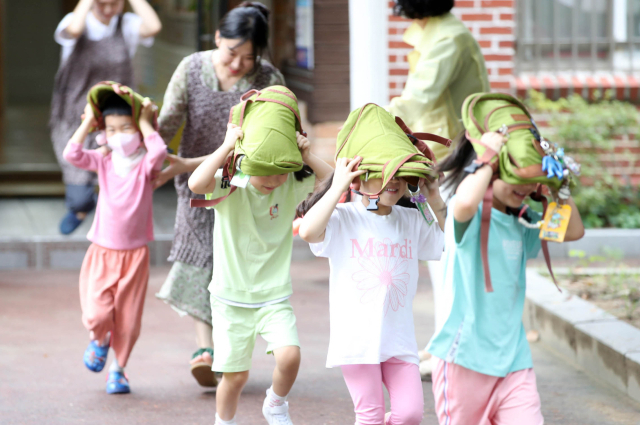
column 589, row 131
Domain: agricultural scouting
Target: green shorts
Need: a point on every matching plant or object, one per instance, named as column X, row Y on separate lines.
column 235, row 330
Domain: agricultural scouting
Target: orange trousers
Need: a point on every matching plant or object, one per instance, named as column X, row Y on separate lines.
column 113, row 285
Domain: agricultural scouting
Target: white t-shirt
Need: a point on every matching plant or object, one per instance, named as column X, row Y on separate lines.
column 96, row 30
column 374, row 277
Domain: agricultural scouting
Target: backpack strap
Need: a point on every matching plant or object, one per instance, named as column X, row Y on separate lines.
column 487, row 206
column 203, row 203
column 544, row 245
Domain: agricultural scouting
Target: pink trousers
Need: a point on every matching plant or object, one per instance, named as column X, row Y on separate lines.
column 465, row 397
column 403, row 383
column 113, row 285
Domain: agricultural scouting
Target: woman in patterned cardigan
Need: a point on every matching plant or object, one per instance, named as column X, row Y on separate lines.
column 201, row 92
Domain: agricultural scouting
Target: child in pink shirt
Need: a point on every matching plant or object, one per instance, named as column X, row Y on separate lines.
column 115, row 271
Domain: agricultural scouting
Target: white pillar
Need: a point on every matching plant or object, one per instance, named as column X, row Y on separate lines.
column 368, row 52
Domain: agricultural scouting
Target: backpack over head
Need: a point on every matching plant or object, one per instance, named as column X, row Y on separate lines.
column 104, row 89
column 386, row 147
column 526, row 157
column 269, row 119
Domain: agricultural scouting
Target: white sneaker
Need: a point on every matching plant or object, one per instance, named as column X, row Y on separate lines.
column 276, row 415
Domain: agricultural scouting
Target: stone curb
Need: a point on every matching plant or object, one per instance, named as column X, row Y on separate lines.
column 595, row 240
column 605, row 347
column 67, row 252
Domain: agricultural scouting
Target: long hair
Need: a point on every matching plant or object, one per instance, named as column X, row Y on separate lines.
column 463, row 155
column 317, row 194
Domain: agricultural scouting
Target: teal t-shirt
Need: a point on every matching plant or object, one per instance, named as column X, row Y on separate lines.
column 252, row 241
column 479, row 330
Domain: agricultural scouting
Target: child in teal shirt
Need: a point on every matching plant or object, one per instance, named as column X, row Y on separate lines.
column 483, row 372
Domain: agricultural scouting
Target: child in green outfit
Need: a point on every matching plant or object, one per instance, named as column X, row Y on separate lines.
column 251, row 283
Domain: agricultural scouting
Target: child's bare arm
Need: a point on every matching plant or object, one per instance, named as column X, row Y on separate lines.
column 437, row 204
column 314, row 223
column 73, row 152
column 575, row 230
column 471, row 190
column 156, row 148
column 203, row 180
column 319, row 167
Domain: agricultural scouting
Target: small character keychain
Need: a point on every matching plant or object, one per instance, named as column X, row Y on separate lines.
column 555, row 223
column 420, row 200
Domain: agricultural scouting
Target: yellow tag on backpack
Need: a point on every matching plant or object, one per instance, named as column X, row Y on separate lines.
column 556, row 221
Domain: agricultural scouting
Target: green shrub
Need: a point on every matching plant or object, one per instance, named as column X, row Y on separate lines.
column 586, row 131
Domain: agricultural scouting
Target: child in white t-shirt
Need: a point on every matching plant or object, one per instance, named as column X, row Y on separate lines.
column 374, row 257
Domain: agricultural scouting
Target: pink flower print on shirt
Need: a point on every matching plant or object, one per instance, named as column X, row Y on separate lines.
column 383, row 273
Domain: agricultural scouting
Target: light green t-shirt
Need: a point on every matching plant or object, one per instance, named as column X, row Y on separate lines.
column 252, row 241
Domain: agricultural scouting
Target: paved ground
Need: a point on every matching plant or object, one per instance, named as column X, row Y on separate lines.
column 43, row 381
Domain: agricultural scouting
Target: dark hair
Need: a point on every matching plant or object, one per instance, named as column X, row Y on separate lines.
column 317, row 194
column 115, row 105
column 463, row 154
column 248, row 22
column 304, row 173
column 418, row 9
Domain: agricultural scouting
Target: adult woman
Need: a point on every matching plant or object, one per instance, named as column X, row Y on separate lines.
column 202, row 90
column 445, row 67
column 98, row 42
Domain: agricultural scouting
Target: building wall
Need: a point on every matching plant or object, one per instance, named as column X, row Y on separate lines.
column 492, row 23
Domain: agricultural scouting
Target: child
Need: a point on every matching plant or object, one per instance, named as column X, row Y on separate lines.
column 374, row 267
column 115, row 271
column 483, row 372
column 253, row 237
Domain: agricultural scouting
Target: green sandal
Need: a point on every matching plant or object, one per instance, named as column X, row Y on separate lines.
column 201, row 369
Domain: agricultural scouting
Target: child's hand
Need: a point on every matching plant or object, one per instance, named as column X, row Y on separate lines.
column 431, row 189
column 304, row 145
column 88, row 116
column 148, row 110
column 493, row 140
column 344, row 174
column 234, row 133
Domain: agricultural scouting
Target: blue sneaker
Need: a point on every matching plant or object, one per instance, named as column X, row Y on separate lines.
column 95, row 356
column 69, row 223
column 117, row 383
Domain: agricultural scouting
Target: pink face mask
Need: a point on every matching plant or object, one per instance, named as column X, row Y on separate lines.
column 123, row 143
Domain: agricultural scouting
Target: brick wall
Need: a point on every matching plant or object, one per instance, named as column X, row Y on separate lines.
column 492, row 23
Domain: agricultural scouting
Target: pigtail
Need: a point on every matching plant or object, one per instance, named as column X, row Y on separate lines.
column 317, row 194
column 462, row 156
column 302, row 174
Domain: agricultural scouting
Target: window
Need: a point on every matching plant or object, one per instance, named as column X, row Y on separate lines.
column 578, row 35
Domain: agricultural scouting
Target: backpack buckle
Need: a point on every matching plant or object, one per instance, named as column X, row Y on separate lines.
column 504, row 130
column 225, row 182
column 373, row 203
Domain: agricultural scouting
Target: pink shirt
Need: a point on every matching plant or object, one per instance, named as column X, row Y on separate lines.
column 124, row 214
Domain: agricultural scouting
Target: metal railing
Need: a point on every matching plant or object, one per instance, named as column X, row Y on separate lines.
column 578, row 35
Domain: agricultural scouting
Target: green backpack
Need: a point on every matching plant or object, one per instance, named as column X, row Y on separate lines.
column 269, row 119
column 526, row 157
column 386, row 148
column 101, row 91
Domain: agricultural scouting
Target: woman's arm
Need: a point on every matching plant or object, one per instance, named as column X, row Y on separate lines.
column 78, row 20
column 203, row 180
column 471, row 190
column 575, row 230
column 319, row 167
column 314, row 223
column 151, row 24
